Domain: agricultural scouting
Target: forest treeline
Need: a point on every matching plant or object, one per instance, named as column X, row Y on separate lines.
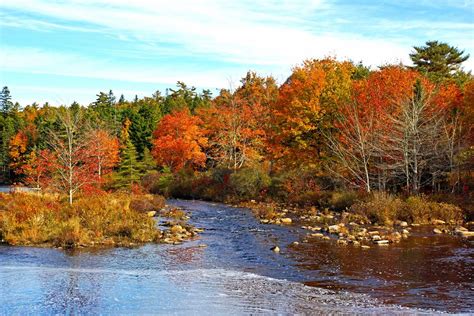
column 332, row 125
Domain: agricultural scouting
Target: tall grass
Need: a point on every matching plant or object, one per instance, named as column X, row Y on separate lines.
column 48, row 220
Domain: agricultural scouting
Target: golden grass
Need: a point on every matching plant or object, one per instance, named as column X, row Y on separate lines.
column 48, row 220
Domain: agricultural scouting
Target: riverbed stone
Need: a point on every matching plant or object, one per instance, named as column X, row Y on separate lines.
column 333, row 229
column 438, row 222
column 376, row 238
column 365, row 247
column 176, row 229
column 275, row 249
column 286, row 220
column 437, row 231
column 381, row 242
column 342, row 242
column 466, row 234
column 151, row 213
column 403, row 224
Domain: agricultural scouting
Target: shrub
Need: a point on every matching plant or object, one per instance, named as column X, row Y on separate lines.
column 248, row 183
column 423, row 211
column 385, row 209
column 380, row 207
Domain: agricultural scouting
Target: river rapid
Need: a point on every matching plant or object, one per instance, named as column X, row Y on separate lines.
column 237, row 273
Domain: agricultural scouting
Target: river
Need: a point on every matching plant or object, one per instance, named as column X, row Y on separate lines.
column 237, row 273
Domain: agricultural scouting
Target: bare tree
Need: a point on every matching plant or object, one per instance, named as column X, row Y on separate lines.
column 416, row 141
column 353, row 144
column 69, row 146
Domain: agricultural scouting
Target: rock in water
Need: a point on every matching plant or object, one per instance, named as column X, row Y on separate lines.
column 275, row 249
column 437, row 231
column 334, row 229
column 286, row 220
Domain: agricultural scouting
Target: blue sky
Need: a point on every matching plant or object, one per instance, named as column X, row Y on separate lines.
column 61, row 51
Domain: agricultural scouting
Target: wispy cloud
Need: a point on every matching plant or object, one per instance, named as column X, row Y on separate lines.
column 205, row 42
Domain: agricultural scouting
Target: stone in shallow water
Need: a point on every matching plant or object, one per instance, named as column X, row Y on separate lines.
column 286, row 220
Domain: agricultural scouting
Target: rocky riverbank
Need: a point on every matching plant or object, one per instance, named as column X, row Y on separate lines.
column 345, row 228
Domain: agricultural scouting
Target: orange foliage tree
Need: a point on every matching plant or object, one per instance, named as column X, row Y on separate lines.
column 306, row 105
column 178, row 141
column 102, row 151
column 238, row 122
column 38, row 169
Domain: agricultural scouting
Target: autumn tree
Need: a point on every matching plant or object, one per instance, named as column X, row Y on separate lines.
column 103, row 151
column 306, row 106
column 238, row 122
column 38, row 169
column 178, row 141
column 17, row 150
column 353, row 144
column 70, row 149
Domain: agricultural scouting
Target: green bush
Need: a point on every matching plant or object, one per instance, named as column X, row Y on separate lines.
column 248, row 183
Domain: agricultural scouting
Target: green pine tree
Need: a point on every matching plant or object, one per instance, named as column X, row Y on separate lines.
column 438, row 60
column 129, row 168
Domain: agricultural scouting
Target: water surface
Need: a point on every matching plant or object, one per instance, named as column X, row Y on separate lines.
column 237, row 273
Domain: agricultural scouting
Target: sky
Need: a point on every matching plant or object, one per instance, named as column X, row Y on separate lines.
column 60, row 51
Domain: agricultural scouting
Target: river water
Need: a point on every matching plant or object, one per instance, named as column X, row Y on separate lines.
column 237, row 273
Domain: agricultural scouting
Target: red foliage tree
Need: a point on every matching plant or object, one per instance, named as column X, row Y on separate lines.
column 178, row 141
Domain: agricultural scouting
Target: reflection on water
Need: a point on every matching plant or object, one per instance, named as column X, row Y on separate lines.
column 238, row 274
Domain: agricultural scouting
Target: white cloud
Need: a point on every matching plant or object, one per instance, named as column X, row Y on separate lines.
column 261, row 35
column 269, row 32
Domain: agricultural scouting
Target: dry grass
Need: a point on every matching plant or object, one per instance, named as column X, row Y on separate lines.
column 47, row 220
column 385, row 209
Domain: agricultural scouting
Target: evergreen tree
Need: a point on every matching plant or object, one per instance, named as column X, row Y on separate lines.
column 438, row 60
column 121, row 100
column 129, row 168
column 147, row 163
column 128, row 171
column 5, row 101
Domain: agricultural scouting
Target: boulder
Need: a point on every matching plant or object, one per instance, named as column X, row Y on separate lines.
column 342, row 242
column 460, row 229
column 438, row 222
column 376, row 238
column 437, row 231
column 333, row 229
column 466, row 234
column 275, row 249
column 176, row 229
column 286, row 220
column 381, row 242
column 403, row 224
